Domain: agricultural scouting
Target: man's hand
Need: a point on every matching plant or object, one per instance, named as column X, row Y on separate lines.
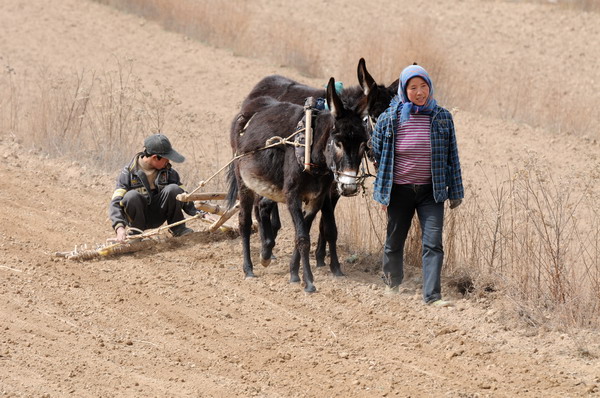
column 121, row 235
column 454, row 203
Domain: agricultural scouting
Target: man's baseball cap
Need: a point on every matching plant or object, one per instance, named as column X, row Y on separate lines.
column 159, row 144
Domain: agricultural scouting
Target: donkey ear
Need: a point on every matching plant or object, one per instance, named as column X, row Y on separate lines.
column 372, row 98
column 333, row 100
column 365, row 79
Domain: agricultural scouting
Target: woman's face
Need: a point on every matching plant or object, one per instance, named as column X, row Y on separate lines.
column 417, row 91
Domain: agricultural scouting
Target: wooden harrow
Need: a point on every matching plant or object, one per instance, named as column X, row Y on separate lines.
column 214, row 214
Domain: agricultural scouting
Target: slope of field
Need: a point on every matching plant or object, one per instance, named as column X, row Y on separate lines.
column 179, row 320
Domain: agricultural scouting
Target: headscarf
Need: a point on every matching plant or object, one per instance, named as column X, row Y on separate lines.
column 408, row 107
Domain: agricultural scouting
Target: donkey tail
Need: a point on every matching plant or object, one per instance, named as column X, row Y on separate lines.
column 232, row 192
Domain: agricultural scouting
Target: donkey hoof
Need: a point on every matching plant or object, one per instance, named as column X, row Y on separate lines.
column 310, row 289
column 250, row 275
column 320, row 264
column 294, row 279
column 265, row 261
column 337, row 273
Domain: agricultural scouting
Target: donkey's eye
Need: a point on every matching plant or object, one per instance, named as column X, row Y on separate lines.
column 338, row 145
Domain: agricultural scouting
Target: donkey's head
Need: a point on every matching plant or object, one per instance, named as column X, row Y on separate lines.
column 378, row 96
column 346, row 144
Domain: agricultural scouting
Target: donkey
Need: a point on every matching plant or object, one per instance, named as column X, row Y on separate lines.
column 369, row 98
column 339, row 143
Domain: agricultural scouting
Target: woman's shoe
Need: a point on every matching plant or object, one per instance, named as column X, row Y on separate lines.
column 441, row 303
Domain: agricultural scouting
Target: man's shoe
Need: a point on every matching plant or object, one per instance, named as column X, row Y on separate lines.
column 180, row 230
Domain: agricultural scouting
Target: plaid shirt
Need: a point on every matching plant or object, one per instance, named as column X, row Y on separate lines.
column 445, row 166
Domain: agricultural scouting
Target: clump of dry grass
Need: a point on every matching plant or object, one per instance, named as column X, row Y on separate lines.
column 528, row 233
column 228, row 24
column 387, row 55
column 221, row 23
column 98, row 119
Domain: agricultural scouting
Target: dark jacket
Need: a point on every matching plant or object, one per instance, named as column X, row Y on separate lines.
column 133, row 177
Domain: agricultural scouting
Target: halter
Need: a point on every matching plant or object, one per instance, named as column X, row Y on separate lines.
column 360, row 179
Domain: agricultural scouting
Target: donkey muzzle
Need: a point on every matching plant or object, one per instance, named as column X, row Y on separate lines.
column 347, row 184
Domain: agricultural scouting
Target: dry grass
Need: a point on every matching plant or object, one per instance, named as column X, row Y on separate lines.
column 236, row 26
column 99, row 119
column 579, row 5
column 229, row 24
column 538, row 238
column 576, row 5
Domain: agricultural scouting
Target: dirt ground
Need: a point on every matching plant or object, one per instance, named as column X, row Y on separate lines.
column 179, row 320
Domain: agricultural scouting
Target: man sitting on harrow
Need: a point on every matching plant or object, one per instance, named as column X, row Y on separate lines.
column 146, row 191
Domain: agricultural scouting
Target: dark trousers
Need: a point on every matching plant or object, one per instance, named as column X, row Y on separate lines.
column 163, row 207
column 404, row 201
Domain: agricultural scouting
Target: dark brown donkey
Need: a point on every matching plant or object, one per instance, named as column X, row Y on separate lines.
column 368, row 98
column 339, row 143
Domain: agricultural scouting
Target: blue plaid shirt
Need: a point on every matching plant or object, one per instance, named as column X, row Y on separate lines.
column 445, row 166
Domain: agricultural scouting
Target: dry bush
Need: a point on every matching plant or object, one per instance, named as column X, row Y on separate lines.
column 220, row 23
column 228, row 24
column 527, row 233
column 9, row 102
column 99, row 119
column 387, row 55
column 577, row 5
column 580, row 5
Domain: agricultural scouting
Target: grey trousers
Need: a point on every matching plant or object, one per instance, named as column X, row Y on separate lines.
column 404, row 201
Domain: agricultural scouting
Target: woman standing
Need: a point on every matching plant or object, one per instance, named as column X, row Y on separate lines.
column 418, row 169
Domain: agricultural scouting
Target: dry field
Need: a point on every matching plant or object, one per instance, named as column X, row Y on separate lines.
column 84, row 82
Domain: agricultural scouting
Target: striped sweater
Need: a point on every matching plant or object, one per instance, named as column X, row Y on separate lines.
column 412, row 151
column 446, row 175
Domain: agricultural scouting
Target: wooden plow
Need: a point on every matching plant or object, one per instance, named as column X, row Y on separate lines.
column 213, row 213
column 216, row 214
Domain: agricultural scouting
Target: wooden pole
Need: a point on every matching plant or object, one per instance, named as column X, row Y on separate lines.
column 210, row 208
column 224, row 217
column 190, row 197
column 308, row 134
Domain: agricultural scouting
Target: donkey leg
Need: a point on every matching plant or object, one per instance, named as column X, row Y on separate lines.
column 304, row 249
column 295, row 266
column 275, row 220
column 321, row 249
column 331, row 200
column 263, row 209
column 330, row 232
column 245, row 225
column 302, row 226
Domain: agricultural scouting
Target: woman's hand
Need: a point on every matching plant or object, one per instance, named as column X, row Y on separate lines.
column 454, row 203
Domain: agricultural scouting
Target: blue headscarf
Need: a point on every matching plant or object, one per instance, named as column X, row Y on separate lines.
column 408, row 107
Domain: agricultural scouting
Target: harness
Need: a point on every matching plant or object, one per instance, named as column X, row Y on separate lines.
column 312, row 108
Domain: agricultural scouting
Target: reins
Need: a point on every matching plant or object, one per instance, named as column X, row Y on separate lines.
column 270, row 143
